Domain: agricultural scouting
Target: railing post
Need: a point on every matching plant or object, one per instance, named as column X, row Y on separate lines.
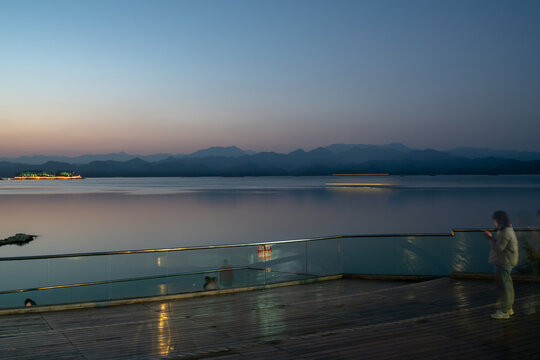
column 306, row 260
column 341, row 267
column 110, row 277
column 167, row 274
column 49, row 272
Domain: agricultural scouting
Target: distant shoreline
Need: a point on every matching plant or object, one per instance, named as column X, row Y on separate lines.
column 318, row 162
column 266, row 176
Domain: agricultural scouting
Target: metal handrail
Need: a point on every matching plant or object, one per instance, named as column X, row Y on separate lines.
column 208, row 247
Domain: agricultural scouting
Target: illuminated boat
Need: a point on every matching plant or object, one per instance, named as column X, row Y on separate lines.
column 46, row 175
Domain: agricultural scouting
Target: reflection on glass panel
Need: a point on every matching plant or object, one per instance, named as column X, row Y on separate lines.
column 39, row 297
column 324, row 257
column 75, row 294
column 179, row 284
column 174, row 272
column 232, row 267
column 138, row 288
column 89, row 293
column 423, row 255
column 16, row 300
column 398, row 255
column 192, row 261
column 79, row 270
column 128, row 266
column 286, row 263
column 370, row 256
column 24, row 274
column 529, row 253
column 470, row 253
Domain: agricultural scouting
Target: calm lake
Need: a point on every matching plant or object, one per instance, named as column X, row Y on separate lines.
column 102, row 214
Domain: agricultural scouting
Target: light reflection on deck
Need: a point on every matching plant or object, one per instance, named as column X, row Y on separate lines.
column 346, row 319
column 164, row 331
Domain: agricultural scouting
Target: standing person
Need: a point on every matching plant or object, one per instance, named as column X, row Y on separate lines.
column 504, row 256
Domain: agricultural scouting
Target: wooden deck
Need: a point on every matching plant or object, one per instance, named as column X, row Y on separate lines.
column 341, row 319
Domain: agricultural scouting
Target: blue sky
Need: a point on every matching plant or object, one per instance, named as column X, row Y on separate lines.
column 176, row 76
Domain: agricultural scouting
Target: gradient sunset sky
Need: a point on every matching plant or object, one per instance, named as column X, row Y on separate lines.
column 176, row 76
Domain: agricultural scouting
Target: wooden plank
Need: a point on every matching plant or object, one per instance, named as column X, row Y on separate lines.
column 345, row 319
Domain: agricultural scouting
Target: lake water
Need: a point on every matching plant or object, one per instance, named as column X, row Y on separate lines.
column 102, row 214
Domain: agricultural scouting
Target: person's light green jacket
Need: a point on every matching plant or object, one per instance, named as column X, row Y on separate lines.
column 504, row 248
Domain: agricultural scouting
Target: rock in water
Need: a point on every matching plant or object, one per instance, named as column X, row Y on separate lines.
column 18, row 239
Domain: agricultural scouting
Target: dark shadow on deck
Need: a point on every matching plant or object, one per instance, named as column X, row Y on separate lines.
column 342, row 319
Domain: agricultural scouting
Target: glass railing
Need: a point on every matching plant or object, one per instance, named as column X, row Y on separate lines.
column 102, row 277
column 398, row 255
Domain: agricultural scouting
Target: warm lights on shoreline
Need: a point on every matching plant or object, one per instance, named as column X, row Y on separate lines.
column 47, row 177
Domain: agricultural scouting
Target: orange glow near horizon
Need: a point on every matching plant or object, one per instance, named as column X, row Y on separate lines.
column 359, row 184
column 381, row 174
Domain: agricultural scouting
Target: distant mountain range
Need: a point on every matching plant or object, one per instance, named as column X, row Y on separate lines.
column 229, row 151
column 233, row 151
column 337, row 158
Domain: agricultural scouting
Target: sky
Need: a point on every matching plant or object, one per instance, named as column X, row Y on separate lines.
column 158, row 76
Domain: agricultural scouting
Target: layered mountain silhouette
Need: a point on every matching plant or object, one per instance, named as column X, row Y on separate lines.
column 229, row 151
column 395, row 159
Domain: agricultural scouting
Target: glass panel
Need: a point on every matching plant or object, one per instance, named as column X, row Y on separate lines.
column 179, row 284
column 77, row 294
column 229, row 267
column 423, row 255
column 89, row 293
column 24, row 274
column 370, row 256
column 398, row 255
column 529, row 253
column 286, row 262
column 470, row 253
column 16, row 300
column 79, row 270
column 146, row 272
column 138, row 288
column 129, row 266
column 162, row 273
column 324, row 257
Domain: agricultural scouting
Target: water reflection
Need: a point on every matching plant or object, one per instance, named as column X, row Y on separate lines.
column 299, row 208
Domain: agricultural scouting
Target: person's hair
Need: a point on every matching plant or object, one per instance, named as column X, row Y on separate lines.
column 501, row 218
column 29, row 301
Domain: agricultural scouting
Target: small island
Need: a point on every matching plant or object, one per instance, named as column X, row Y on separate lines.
column 17, row 239
column 46, row 175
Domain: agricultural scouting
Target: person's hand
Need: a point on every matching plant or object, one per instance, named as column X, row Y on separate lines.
column 488, row 234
